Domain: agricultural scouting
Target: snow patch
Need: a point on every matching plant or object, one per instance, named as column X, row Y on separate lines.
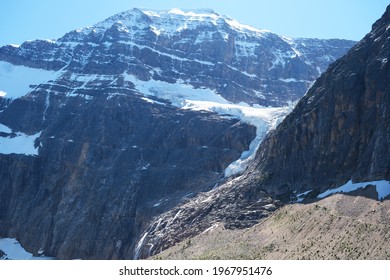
column 14, row 251
column 292, row 80
column 174, row 57
column 20, row 144
column 177, row 93
column 281, row 58
column 155, row 30
column 16, row 80
column 151, row 13
column 152, row 101
column 382, row 188
column 302, row 196
column 210, row 228
column 245, row 49
column 243, row 27
column 202, row 14
column 384, row 61
column 5, row 129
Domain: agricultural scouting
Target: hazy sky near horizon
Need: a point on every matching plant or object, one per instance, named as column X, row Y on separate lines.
column 22, row 20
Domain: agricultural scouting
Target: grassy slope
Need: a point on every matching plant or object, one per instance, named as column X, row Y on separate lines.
column 338, row 227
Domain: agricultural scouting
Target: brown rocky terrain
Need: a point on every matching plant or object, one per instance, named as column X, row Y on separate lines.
column 338, row 227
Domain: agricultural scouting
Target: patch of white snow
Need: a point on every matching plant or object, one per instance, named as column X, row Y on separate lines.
column 19, row 144
column 14, row 251
column 5, row 129
column 382, row 188
column 302, row 196
column 152, row 101
column 16, row 80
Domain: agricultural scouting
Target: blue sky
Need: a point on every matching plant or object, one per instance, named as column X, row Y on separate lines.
column 22, row 20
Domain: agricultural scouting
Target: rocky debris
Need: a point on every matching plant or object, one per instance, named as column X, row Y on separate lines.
column 237, row 204
column 342, row 227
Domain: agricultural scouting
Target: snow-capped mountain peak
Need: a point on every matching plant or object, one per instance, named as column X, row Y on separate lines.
column 137, row 112
column 239, row 62
column 170, row 22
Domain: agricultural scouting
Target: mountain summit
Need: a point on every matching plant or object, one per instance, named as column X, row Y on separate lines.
column 112, row 125
column 200, row 49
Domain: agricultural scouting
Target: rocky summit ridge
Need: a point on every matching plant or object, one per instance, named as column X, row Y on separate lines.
column 238, row 62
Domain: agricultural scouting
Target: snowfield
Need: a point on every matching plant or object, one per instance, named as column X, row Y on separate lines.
column 17, row 81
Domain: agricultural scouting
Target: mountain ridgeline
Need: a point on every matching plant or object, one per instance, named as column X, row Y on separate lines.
column 201, row 48
column 105, row 131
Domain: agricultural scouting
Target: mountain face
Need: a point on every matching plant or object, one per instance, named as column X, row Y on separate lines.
column 113, row 125
column 104, row 167
column 337, row 135
column 340, row 130
column 201, row 49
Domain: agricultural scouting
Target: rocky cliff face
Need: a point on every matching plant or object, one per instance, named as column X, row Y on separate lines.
column 112, row 125
column 339, row 131
column 340, row 128
column 104, row 167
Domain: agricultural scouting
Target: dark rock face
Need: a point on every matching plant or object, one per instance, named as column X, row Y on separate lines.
column 238, row 62
column 340, row 129
column 103, row 170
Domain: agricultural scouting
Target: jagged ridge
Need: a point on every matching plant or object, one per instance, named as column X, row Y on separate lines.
column 238, row 62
